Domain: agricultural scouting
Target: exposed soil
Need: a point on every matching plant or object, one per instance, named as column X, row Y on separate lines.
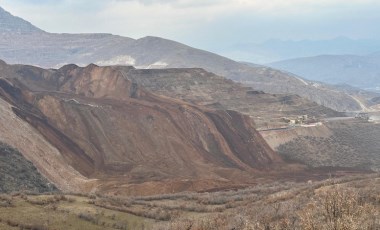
column 114, row 136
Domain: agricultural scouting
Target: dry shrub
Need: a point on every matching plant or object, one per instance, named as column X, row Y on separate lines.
column 88, row 217
column 38, row 201
column 12, row 223
column 213, row 199
column 123, row 226
column 339, row 209
column 33, row 227
column 112, row 201
column 6, row 201
column 47, row 201
column 215, row 222
column 92, row 196
column 155, row 213
column 310, row 207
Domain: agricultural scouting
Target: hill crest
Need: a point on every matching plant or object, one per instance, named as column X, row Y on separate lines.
column 12, row 24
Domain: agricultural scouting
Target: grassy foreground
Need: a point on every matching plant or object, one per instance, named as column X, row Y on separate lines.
column 339, row 204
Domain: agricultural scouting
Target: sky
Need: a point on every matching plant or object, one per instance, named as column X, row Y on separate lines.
column 206, row 24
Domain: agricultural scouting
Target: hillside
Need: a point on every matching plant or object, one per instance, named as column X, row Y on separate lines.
column 275, row 50
column 12, row 24
column 351, row 145
column 108, row 134
column 55, row 50
column 359, row 71
column 204, row 88
column 19, row 174
column 348, row 144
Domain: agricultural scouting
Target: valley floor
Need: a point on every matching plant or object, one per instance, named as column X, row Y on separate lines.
column 351, row 202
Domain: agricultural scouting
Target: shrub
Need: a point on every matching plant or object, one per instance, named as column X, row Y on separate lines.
column 6, row 201
column 33, row 227
column 88, row 217
column 338, row 209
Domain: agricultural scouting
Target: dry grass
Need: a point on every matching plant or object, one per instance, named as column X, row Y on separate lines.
column 346, row 203
column 63, row 212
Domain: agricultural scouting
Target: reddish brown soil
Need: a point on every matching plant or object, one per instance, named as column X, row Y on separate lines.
column 92, row 129
column 132, row 141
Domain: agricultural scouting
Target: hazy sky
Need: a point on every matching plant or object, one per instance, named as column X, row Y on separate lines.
column 207, row 24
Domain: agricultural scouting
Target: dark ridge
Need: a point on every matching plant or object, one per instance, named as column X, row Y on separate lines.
column 242, row 140
column 19, row 174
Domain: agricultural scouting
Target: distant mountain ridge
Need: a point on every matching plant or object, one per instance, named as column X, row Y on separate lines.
column 358, row 71
column 51, row 50
column 12, row 24
column 275, row 50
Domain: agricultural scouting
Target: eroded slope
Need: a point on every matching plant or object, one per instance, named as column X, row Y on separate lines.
column 121, row 137
column 204, row 88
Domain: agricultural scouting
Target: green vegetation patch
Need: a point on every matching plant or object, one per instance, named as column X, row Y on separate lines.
column 62, row 212
column 19, row 174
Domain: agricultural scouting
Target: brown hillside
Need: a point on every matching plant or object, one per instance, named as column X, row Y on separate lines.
column 204, row 88
column 120, row 137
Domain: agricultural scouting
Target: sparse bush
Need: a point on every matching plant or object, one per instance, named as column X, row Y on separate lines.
column 41, row 201
column 122, row 226
column 60, row 197
column 33, row 227
column 321, row 205
column 88, row 217
column 339, row 209
column 12, row 223
column 214, row 199
column 6, row 201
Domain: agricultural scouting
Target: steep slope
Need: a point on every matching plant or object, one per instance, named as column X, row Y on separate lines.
column 352, row 144
column 358, row 71
column 204, row 88
column 12, row 24
column 35, row 148
column 54, row 50
column 118, row 136
column 18, row 174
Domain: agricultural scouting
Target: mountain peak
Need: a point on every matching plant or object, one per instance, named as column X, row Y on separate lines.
column 13, row 24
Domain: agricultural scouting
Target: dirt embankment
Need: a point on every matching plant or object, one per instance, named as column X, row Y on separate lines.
column 275, row 138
